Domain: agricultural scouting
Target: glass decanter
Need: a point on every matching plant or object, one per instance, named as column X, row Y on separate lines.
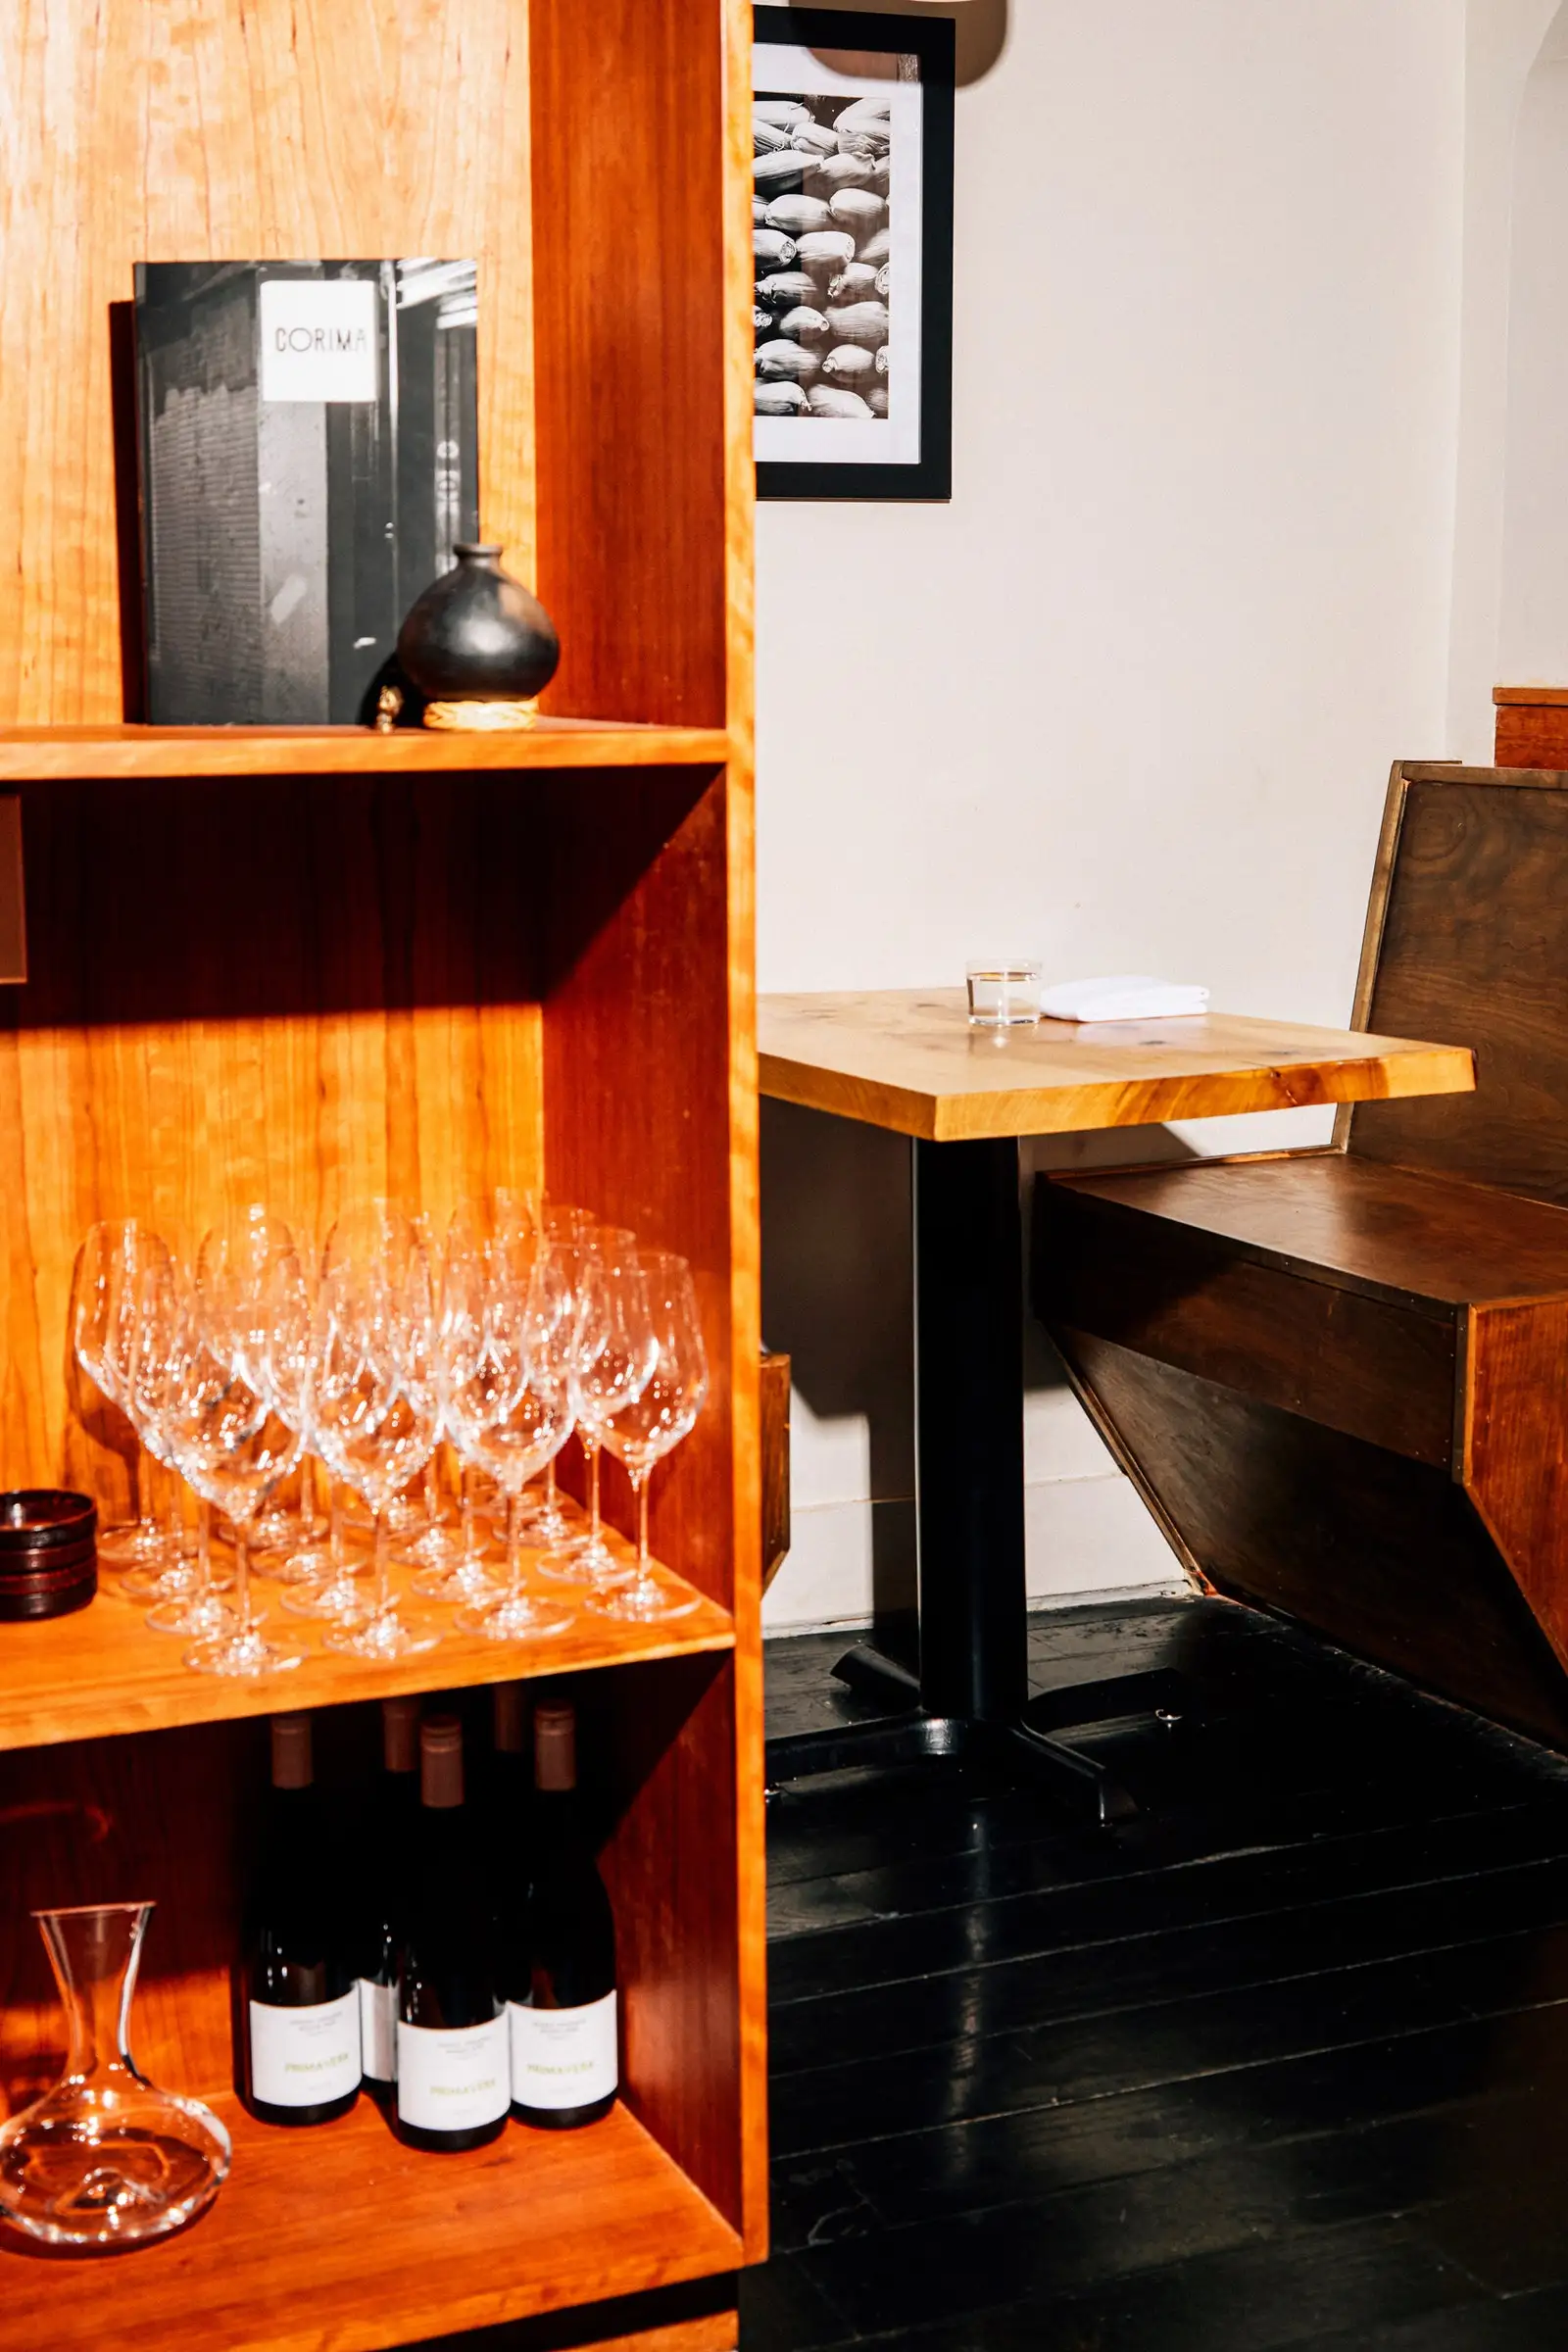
column 105, row 2159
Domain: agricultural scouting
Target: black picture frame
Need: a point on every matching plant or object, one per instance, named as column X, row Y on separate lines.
column 932, row 41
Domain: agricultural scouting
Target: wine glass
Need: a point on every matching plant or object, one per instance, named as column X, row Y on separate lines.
column 377, row 1397
column 664, row 1409
column 242, row 1350
column 123, row 1269
column 544, row 1521
column 447, row 1553
column 509, row 1404
column 612, row 1355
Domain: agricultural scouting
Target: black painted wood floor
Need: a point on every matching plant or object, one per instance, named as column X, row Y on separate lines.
column 1286, row 2064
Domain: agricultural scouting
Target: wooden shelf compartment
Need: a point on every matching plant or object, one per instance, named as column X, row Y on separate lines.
column 59, row 755
column 281, row 2260
column 340, row 2237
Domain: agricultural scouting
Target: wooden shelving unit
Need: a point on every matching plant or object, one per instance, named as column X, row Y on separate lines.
column 468, row 962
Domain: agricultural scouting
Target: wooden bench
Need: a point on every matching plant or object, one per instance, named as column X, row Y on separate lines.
column 1340, row 1378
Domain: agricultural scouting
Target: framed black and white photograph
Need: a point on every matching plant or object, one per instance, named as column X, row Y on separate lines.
column 852, row 225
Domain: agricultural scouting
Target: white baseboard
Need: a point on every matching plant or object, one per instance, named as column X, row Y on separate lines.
column 1087, row 1539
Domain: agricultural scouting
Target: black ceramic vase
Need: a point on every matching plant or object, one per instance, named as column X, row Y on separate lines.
column 476, row 635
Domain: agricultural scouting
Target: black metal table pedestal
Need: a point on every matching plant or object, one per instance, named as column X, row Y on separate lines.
column 971, row 1697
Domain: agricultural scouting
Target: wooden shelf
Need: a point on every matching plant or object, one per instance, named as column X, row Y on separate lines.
column 101, row 1672
column 342, row 2237
column 60, row 755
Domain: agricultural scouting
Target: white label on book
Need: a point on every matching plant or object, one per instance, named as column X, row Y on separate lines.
column 379, row 2031
column 305, row 2057
column 319, row 338
column 563, row 2057
column 453, row 2079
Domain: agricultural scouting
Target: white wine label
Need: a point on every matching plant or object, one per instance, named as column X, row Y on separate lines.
column 563, row 2057
column 379, row 2031
column 450, row 2080
column 304, row 2057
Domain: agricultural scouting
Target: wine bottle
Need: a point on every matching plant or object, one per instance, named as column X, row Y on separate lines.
column 385, row 1849
column 300, row 2011
column 561, row 1971
column 453, row 2080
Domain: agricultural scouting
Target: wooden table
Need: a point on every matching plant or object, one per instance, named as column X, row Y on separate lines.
column 910, row 1062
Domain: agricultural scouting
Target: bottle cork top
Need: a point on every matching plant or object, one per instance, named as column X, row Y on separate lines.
column 441, row 1762
column 510, row 1718
column 554, row 1746
column 291, row 1752
column 400, row 1735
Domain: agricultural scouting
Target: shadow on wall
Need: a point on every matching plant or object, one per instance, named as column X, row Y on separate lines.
column 982, row 27
column 837, row 1297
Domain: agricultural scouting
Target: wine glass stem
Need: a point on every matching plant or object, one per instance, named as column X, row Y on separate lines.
column 335, row 1531
column 384, row 1550
column 591, row 1448
column 513, row 1544
column 173, row 1516
column 639, row 1480
column 432, row 1494
column 466, row 1504
column 141, row 1477
column 550, row 1491
column 204, row 1547
column 242, row 1579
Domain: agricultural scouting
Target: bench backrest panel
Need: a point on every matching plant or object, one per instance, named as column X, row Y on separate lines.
column 1472, row 949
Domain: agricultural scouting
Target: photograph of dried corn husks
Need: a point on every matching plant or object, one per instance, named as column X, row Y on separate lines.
column 846, row 214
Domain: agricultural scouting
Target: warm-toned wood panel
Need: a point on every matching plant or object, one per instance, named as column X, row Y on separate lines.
column 1393, row 1234
column 1385, row 1555
column 288, row 128
column 41, row 754
column 1474, row 947
column 774, row 1408
column 1375, row 1370
column 629, row 304
column 1531, row 729
column 642, row 1038
column 909, row 1061
column 1516, row 1449
column 283, row 995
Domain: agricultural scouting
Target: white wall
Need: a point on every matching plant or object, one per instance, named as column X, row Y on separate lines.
column 1132, row 698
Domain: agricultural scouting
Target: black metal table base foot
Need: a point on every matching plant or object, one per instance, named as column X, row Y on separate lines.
column 1033, row 1745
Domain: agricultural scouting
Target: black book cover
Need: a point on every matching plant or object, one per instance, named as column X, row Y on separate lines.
column 308, row 437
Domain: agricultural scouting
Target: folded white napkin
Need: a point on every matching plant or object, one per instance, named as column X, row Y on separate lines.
column 1124, row 996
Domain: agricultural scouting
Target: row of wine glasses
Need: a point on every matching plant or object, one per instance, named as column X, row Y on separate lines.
column 499, row 1337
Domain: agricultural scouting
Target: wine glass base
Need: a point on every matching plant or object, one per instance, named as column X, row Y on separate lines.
column 644, row 1603
column 245, row 1655
column 339, row 1596
column 203, row 1615
column 593, row 1571
column 172, row 1583
column 385, row 1635
column 137, row 1545
column 305, row 1564
column 473, row 1584
column 438, row 1548
column 514, row 1617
